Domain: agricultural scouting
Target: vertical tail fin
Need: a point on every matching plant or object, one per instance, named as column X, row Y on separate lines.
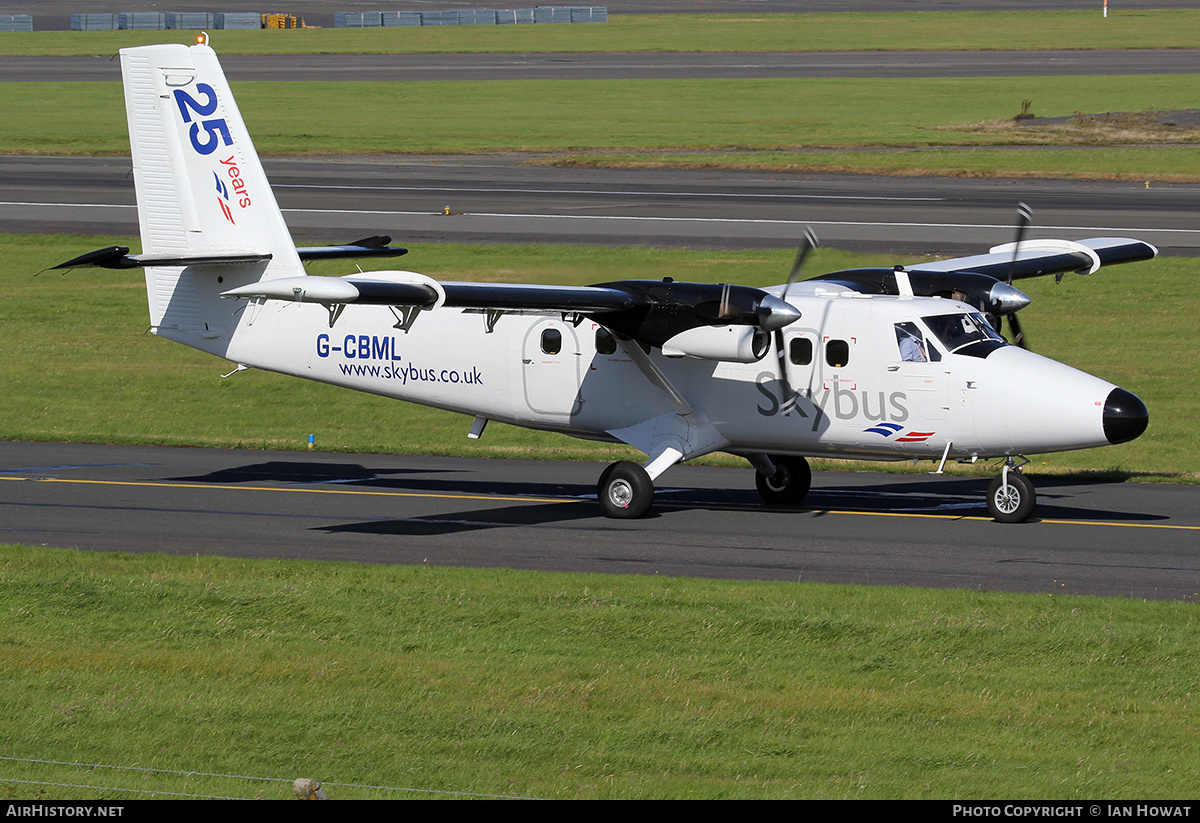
column 202, row 194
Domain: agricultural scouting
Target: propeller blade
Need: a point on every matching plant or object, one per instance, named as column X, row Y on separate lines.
column 807, row 244
column 789, row 401
column 1015, row 326
column 1024, row 218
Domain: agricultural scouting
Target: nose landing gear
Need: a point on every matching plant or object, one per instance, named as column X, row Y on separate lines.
column 1011, row 497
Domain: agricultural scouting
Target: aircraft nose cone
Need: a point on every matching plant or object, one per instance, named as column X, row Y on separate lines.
column 774, row 313
column 1125, row 416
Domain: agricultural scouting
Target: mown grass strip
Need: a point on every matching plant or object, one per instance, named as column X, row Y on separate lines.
column 579, row 686
column 766, row 123
column 890, row 31
column 79, row 365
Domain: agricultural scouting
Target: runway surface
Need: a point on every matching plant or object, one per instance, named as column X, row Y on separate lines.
column 1129, row 540
column 637, row 66
column 494, row 199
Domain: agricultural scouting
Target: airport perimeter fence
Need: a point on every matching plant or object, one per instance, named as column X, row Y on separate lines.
column 16, row 22
column 471, row 17
column 158, row 21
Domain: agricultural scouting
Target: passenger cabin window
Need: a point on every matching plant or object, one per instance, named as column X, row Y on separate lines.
column 837, row 353
column 605, row 342
column 800, row 351
column 551, row 341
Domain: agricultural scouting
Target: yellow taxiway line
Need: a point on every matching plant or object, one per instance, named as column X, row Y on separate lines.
column 504, row 499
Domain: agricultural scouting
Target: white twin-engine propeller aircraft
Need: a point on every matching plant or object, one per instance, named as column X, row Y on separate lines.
column 876, row 364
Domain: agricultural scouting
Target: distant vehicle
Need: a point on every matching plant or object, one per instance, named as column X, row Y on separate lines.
column 875, row 364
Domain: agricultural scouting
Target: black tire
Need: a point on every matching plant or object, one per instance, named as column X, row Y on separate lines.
column 789, row 484
column 1014, row 505
column 625, row 491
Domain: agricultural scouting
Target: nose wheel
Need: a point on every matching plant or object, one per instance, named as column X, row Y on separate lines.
column 1011, row 497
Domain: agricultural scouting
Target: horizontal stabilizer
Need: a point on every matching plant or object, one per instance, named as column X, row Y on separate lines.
column 118, row 257
column 376, row 246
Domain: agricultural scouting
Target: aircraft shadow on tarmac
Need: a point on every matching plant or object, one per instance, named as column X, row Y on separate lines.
column 1058, row 499
column 900, row 494
column 457, row 481
column 294, row 472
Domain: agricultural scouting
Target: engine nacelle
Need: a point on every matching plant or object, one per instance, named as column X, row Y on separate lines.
column 736, row 344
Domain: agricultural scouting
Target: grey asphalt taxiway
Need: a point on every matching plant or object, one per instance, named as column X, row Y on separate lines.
column 328, row 68
column 1088, row 538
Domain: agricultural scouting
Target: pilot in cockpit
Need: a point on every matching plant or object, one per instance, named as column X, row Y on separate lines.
column 911, row 342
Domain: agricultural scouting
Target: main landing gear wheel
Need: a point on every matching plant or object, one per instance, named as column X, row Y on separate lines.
column 625, row 491
column 789, row 484
column 1013, row 504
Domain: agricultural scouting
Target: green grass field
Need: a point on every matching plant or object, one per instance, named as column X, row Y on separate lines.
column 856, row 124
column 579, row 686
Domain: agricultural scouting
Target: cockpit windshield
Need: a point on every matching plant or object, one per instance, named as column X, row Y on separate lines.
column 965, row 333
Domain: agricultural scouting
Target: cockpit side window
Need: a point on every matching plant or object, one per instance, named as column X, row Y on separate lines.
column 911, row 342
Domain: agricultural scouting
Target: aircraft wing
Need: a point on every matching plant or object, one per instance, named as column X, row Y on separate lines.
column 1041, row 257
column 649, row 311
column 517, row 297
column 411, row 289
column 982, row 280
